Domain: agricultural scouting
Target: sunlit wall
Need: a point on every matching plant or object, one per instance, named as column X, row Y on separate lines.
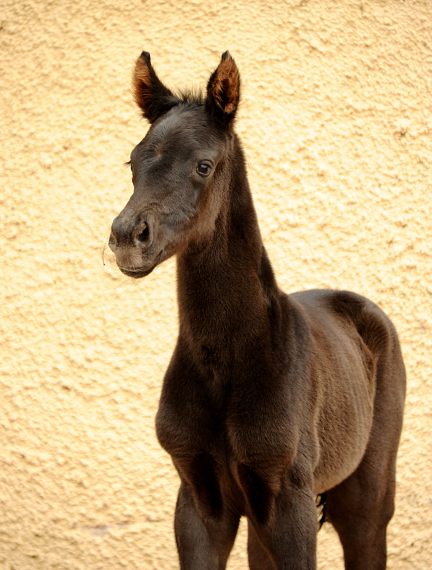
column 336, row 121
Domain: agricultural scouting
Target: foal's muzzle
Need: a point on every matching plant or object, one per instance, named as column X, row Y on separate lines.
column 131, row 243
column 124, row 234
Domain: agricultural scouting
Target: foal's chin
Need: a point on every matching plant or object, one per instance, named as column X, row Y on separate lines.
column 137, row 273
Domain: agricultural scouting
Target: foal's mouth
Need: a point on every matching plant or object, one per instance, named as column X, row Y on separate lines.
column 137, row 272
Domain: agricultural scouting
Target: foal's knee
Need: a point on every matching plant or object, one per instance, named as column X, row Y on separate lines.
column 260, row 494
column 275, row 496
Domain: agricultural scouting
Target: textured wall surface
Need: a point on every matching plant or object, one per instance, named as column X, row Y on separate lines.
column 336, row 121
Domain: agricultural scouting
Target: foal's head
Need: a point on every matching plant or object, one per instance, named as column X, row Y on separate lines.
column 178, row 169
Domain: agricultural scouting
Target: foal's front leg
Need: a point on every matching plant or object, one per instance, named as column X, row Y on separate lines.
column 203, row 542
column 291, row 536
column 284, row 523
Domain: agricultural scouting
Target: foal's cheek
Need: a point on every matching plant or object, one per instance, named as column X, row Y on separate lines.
column 171, row 236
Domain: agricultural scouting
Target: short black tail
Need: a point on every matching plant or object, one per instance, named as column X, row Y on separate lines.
column 321, row 504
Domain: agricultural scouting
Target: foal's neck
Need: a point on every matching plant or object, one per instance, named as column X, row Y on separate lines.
column 226, row 287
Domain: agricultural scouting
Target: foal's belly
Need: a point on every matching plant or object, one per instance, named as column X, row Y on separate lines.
column 337, row 466
column 343, row 431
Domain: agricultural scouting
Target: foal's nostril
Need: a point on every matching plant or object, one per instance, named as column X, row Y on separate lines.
column 144, row 235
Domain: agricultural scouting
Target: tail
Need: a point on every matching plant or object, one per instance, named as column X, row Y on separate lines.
column 321, row 504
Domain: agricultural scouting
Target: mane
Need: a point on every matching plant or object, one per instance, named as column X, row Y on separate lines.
column 191, row 95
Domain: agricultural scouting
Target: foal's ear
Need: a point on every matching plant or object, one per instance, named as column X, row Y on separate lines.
column 223, row 90
column 151, row 95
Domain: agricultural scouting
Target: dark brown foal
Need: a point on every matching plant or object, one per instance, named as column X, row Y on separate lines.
column 269, row 399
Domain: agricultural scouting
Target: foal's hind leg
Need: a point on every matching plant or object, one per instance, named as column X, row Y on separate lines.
column 257, row 554
column 360, row 509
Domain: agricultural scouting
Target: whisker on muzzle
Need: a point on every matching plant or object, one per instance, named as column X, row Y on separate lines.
column 112, row 270
column 107, row 256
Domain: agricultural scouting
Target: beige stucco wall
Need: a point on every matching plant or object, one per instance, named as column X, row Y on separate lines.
column 336, row 121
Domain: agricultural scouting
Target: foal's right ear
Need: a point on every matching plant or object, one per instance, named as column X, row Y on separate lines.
column 151, row 95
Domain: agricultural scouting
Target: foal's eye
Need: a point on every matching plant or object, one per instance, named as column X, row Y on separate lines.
column 203, row 169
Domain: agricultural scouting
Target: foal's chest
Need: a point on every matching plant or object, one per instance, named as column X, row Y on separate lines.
column 189, row 423
column 230, row 425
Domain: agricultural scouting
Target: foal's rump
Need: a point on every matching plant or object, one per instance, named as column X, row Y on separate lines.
column 358, row 375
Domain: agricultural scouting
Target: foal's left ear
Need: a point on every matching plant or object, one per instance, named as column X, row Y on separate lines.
column 151, row 95
column 223, row 90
